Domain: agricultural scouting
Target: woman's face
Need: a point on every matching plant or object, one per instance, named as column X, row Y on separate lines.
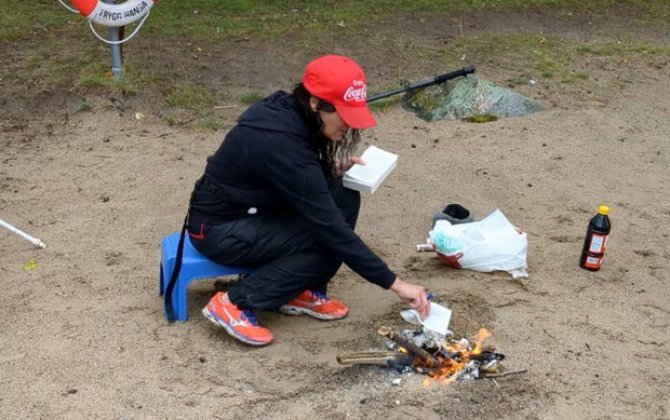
column 333, row 127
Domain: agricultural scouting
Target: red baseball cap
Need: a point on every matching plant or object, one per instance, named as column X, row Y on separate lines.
column 341, row 82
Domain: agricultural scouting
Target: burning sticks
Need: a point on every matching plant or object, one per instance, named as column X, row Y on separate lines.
column 426, row 358
column 438, row 357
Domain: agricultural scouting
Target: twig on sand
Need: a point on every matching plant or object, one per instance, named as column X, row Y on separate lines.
column 500, row 375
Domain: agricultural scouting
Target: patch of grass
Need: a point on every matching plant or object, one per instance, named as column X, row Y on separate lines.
column 251, row 97
column 204, row 118
column 58, row 51
column 21, row 19
column 267, row 20
column 192, row 106
column 576, row 76
column 209, row 121
column 44, row 66
column 520, row 80
column 383, row 105
column 191, row 96
column 96, row 75
column 547, row 56
column 82, row 106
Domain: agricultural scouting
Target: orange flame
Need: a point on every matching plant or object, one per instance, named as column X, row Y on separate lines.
column 450, row 367
column 478, row 339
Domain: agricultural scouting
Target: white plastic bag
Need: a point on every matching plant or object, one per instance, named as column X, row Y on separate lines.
column 490, row 244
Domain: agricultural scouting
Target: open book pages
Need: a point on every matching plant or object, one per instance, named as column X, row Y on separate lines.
column 366, row 178
column 437, row 321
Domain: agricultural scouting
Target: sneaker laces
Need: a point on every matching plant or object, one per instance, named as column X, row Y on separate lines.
column 249, row 317
column 320, row 296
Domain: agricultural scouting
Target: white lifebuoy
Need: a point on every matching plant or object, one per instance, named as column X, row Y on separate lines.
column 97, row 11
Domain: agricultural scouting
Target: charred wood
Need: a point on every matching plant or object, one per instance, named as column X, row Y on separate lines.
column 428, row 359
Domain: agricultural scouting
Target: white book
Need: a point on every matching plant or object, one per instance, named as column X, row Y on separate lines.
column 366, row 178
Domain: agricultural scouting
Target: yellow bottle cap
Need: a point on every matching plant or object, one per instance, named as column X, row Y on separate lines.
column 603, row 209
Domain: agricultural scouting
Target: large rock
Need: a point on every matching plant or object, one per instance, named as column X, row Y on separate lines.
column 467, row 98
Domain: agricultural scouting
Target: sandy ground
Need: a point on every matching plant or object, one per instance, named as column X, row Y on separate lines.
column 82, row 334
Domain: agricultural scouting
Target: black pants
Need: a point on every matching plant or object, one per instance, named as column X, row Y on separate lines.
column 282, row 248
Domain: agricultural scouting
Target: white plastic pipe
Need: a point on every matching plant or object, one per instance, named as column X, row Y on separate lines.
column 22, row 234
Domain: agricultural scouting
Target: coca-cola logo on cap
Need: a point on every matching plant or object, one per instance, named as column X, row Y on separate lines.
column 357, row 92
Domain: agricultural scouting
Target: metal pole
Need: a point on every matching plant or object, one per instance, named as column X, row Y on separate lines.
column 113, row 35
column 434, row 81
column 117, row 66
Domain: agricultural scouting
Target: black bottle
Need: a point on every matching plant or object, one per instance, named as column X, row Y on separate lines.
column 596, row 240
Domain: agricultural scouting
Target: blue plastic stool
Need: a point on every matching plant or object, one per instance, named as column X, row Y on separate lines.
column 194, row 266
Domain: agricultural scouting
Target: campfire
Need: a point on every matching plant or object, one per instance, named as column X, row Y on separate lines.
column 445, row 359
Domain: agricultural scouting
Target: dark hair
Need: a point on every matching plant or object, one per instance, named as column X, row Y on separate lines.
column 328, row 152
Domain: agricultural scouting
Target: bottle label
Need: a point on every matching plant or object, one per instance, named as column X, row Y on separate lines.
column 597, row 245
column 593, row 262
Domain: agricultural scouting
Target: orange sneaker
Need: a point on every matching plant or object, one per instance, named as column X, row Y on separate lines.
column 317, row 305
column 240, row 324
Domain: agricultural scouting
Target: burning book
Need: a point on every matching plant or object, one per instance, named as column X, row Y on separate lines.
column 442, row 358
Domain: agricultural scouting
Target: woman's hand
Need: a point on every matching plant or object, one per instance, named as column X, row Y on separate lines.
column 341, row 168
column 414, row 295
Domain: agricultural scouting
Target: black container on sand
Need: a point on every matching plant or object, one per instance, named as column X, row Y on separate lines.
column 454, row 214
column 596, row 240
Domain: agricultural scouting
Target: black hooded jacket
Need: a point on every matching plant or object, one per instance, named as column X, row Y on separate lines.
column 266, row 163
